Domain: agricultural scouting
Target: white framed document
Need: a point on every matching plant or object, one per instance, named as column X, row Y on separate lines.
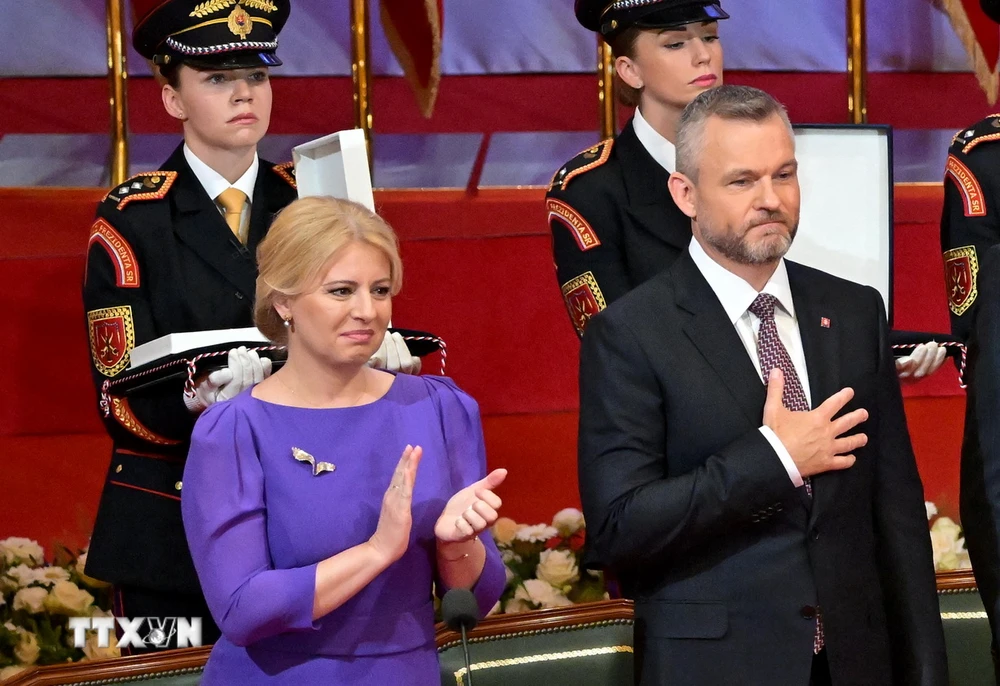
column 335, row 165
column 845, row 174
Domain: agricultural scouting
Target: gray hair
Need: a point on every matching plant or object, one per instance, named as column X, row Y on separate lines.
column 733, row 103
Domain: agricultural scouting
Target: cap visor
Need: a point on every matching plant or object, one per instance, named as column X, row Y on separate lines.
column 235, row 60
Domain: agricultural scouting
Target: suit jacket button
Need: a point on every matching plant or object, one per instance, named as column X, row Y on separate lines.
column 118, row 469
column 178, row 485
column 808, row 612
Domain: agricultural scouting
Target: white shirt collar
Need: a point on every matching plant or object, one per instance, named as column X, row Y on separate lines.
column 735, row 294
column 214, row 183
column 662, row 150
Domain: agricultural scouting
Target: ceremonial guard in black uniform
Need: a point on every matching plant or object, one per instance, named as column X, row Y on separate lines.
column 970, row 240
column 165, row 256
column 614, row 224
column 970, row 221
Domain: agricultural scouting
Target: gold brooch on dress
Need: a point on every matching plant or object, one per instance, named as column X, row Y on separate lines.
column 317, row 467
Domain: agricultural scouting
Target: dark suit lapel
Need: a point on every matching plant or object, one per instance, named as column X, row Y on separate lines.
column 271, row 195
column 820, row 343
column 649, row 201
column 715, row 337
column 201, row 227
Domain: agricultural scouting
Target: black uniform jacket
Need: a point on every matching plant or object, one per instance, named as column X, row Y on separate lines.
column 161, row 260
column 614, row 224
column 970, row 220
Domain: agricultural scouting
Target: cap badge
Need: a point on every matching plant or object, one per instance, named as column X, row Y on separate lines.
column 240, row 22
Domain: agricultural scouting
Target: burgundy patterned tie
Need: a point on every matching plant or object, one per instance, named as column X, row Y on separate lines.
column 772, row 353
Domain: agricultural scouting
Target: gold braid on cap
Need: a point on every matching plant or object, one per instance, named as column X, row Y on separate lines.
column 211, row 6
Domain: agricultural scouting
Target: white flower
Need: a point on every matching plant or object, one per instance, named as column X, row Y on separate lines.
column 503, row 531
column 515, row 605
column 23, row 575
column 92, row 651
column 46, row 576
column 558, row 567
column 66, row 598
column 568, row 521
column 540, row 594
column 13, row 670
column 537, row 533
column 495, row 609
column 931, row 509
column 16, row 549
column 27, row 650
column 508, row 556
column 946, row 543
column 509, row 575
column 31, row 599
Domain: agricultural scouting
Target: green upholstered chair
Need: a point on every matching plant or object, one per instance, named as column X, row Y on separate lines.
column 966, row 630
column 170, row 668
column 583, row 645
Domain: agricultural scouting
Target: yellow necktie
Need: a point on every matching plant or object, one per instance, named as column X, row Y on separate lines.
column 232, row 201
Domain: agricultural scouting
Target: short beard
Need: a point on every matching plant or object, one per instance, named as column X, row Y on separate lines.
column 735, row 247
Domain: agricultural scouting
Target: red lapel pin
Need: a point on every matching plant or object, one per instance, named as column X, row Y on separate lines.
column 824, row 322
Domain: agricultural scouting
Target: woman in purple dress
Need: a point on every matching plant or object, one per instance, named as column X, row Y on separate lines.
column 316, row 544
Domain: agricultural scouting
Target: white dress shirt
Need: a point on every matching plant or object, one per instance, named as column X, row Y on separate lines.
column 736, row 296
column 662, row 150
column 214, row 183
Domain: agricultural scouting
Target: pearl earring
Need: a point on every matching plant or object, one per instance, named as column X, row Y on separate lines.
column 288, row 322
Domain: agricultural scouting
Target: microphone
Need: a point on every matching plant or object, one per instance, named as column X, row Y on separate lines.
column 460, row 611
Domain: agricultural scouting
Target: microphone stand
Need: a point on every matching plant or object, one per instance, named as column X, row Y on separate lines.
column 465, row 649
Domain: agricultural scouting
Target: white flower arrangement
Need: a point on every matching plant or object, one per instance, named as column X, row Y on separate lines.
column 36, row 600
column 947, row 541
column 543, row 564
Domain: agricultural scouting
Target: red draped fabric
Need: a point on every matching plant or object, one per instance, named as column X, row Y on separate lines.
column 981, row 38
column 414, row 29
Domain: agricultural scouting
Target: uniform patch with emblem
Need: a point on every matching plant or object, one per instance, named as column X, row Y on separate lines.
column 586, row 237
column 112, row 336
column 287, row 172
column 965, row 180
column 961, row 269
column 121, row 253
column 583, row 299
column 590, row 158
column 144, row 186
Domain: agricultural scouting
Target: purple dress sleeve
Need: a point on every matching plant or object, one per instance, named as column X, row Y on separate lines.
column 463, row 432
column 225, row 522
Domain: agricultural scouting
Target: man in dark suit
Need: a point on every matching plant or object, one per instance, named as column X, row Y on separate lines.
column 764, row 542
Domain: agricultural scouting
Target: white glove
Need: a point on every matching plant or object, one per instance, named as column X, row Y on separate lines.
column 245, row 369
column 394, row 356
column 925, row 359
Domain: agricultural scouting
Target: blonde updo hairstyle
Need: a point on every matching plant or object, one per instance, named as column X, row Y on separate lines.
column 302, row 241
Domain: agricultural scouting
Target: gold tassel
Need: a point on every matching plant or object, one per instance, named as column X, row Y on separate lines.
column 989, row 80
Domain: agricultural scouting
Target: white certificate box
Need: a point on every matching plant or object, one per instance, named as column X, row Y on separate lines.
column 335, row 165
column 845, row 175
